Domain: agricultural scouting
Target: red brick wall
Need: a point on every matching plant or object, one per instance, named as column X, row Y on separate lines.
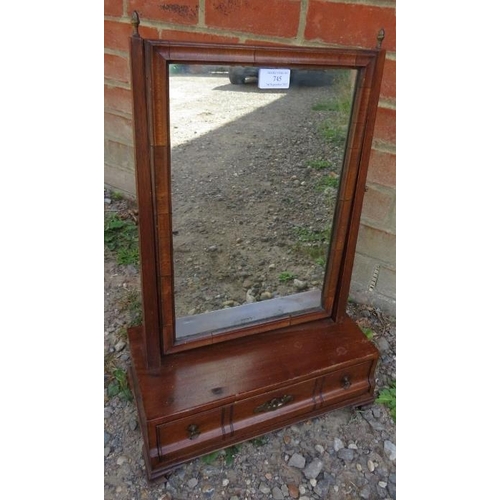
column 294, row 22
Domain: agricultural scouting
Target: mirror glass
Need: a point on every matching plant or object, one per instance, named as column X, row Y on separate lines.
column 256, row 160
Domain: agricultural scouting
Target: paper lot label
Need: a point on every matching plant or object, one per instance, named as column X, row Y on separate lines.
column 274, row 78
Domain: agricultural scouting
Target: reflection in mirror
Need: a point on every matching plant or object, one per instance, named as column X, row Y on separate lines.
column 255, row 174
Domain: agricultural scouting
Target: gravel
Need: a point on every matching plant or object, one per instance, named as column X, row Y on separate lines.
column 346, row 454
column 297, row 461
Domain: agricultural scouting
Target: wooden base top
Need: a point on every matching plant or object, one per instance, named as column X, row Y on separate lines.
column 217, row 374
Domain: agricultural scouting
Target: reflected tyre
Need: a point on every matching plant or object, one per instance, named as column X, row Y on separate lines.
column 236, row 79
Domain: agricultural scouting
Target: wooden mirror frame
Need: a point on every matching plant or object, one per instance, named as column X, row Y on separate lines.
column 150, row 80
column 206, row 394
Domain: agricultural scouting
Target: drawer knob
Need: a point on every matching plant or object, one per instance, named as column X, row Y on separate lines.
column 346, row 382
column 193, row 431
column 274, row 404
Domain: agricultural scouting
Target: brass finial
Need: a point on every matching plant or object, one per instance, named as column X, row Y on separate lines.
column 135, row 23
column 380, row 38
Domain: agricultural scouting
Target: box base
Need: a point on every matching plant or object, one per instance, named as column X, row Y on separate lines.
column 215, row 396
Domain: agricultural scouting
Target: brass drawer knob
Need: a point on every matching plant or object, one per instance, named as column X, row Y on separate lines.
column 346, row 382
column 193, row 431
column 274, row 404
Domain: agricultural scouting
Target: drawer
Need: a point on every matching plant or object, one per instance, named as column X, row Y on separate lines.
column 347, row 383
column 187, row 434
column 283, row 403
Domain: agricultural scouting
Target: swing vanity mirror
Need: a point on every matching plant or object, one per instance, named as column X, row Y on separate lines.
column 250, row 169
column 255, row 178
